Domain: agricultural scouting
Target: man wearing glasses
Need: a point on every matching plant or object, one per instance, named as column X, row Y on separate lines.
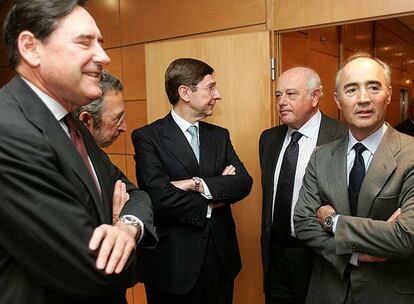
column 193, row 175
column 105, row 116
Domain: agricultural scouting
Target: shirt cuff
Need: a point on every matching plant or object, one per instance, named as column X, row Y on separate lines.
column 354, row 259
column 208, row 196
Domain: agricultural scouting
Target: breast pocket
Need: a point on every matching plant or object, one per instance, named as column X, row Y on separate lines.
column 384, row 207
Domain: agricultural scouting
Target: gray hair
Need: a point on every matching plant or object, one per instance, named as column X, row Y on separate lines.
column 386, row 68
column 314, row 81
column 107, row 83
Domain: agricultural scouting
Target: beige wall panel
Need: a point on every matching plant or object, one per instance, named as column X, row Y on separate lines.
column 115, row 66
column 135, row 117
column 106, row 15
column 294, row 50
column 159, row 19
column 306, row 13
column 133, row 68
column 130, row 171
column 6, row 73
column 326, row 66
column 241, row 63
column 119, row 161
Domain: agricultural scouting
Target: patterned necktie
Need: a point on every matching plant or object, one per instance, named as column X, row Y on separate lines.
column 79, row 144
column 356, row 176
column 284, row 191
column 194, row 143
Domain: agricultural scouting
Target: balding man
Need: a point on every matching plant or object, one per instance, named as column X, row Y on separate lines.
column 284, row 153
column 348, row 208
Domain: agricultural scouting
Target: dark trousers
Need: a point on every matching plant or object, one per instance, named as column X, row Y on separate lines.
column 212, row 287
column 290, row 270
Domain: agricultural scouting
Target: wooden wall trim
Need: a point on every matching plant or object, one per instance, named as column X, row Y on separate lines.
column 286, row 15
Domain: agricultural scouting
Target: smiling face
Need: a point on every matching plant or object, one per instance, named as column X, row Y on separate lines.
column 70, row 61
column 363, row 96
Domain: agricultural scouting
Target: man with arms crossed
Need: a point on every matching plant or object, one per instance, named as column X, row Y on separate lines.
column 348, row 207
column 287, row 262
column 193, row 175
column 57, row 240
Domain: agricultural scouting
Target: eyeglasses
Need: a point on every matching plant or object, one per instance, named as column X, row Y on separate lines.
column 212, row 88
column 118, row 119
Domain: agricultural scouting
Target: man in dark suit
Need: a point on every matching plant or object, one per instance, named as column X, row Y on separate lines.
column 287, row 263
column 57, row 240
column 407, row 126
column 356, row 206
column 193, row 175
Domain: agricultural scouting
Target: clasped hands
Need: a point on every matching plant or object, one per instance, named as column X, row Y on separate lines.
column 188, row 184
column 327, row 210
column 116, row 241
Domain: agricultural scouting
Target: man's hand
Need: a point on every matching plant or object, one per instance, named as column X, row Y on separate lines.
column 366, row 258
column 120, row 197
column 229, row 170
column 323, row 212
column 116, row 244
column 184, row 184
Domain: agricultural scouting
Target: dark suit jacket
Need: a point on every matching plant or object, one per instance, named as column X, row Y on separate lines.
column 270, row 144
column 388, row 184
column 406, row 127
column 49, row 208
column 163, row 154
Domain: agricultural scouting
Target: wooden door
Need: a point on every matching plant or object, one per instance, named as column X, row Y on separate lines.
column 241, row 64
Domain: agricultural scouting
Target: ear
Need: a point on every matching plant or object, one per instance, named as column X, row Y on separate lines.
column 183, row 91
column 28, row 47
column 389, row 95
column 86, row 118
column 338, row 104
column 315, row 97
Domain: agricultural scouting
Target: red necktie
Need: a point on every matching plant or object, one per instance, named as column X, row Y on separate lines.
column 77, row 140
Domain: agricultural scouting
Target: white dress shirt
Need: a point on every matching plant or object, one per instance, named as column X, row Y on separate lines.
column 307, row 144
column 184, row 125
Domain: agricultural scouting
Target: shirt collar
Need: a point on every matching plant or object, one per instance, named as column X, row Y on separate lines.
column 371, row 142
column 55, row 107
column 181, row 122
column 311, row 128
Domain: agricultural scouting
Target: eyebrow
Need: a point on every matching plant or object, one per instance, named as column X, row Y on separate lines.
column 351, row 84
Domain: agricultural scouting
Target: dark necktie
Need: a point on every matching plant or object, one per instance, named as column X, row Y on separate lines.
column 356, row 176
column 284, row 191
column 79, row 144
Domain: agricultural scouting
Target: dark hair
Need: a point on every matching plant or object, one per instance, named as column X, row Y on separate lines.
column 107, row 83
column 39, row 17
column 184, row 71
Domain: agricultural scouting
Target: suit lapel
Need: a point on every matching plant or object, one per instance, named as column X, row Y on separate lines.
column 337, row 178
column 381, row 167
column 37, row 112
column 176, row 142
column 208, row 148
column 274, row 148
column 327, row 131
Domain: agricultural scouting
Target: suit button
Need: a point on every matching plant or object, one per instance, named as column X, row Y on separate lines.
column 354, row 248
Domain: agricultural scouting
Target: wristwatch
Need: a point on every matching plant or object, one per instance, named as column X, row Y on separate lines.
column 328, row 222
column 132, row 221
column 197, row 182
